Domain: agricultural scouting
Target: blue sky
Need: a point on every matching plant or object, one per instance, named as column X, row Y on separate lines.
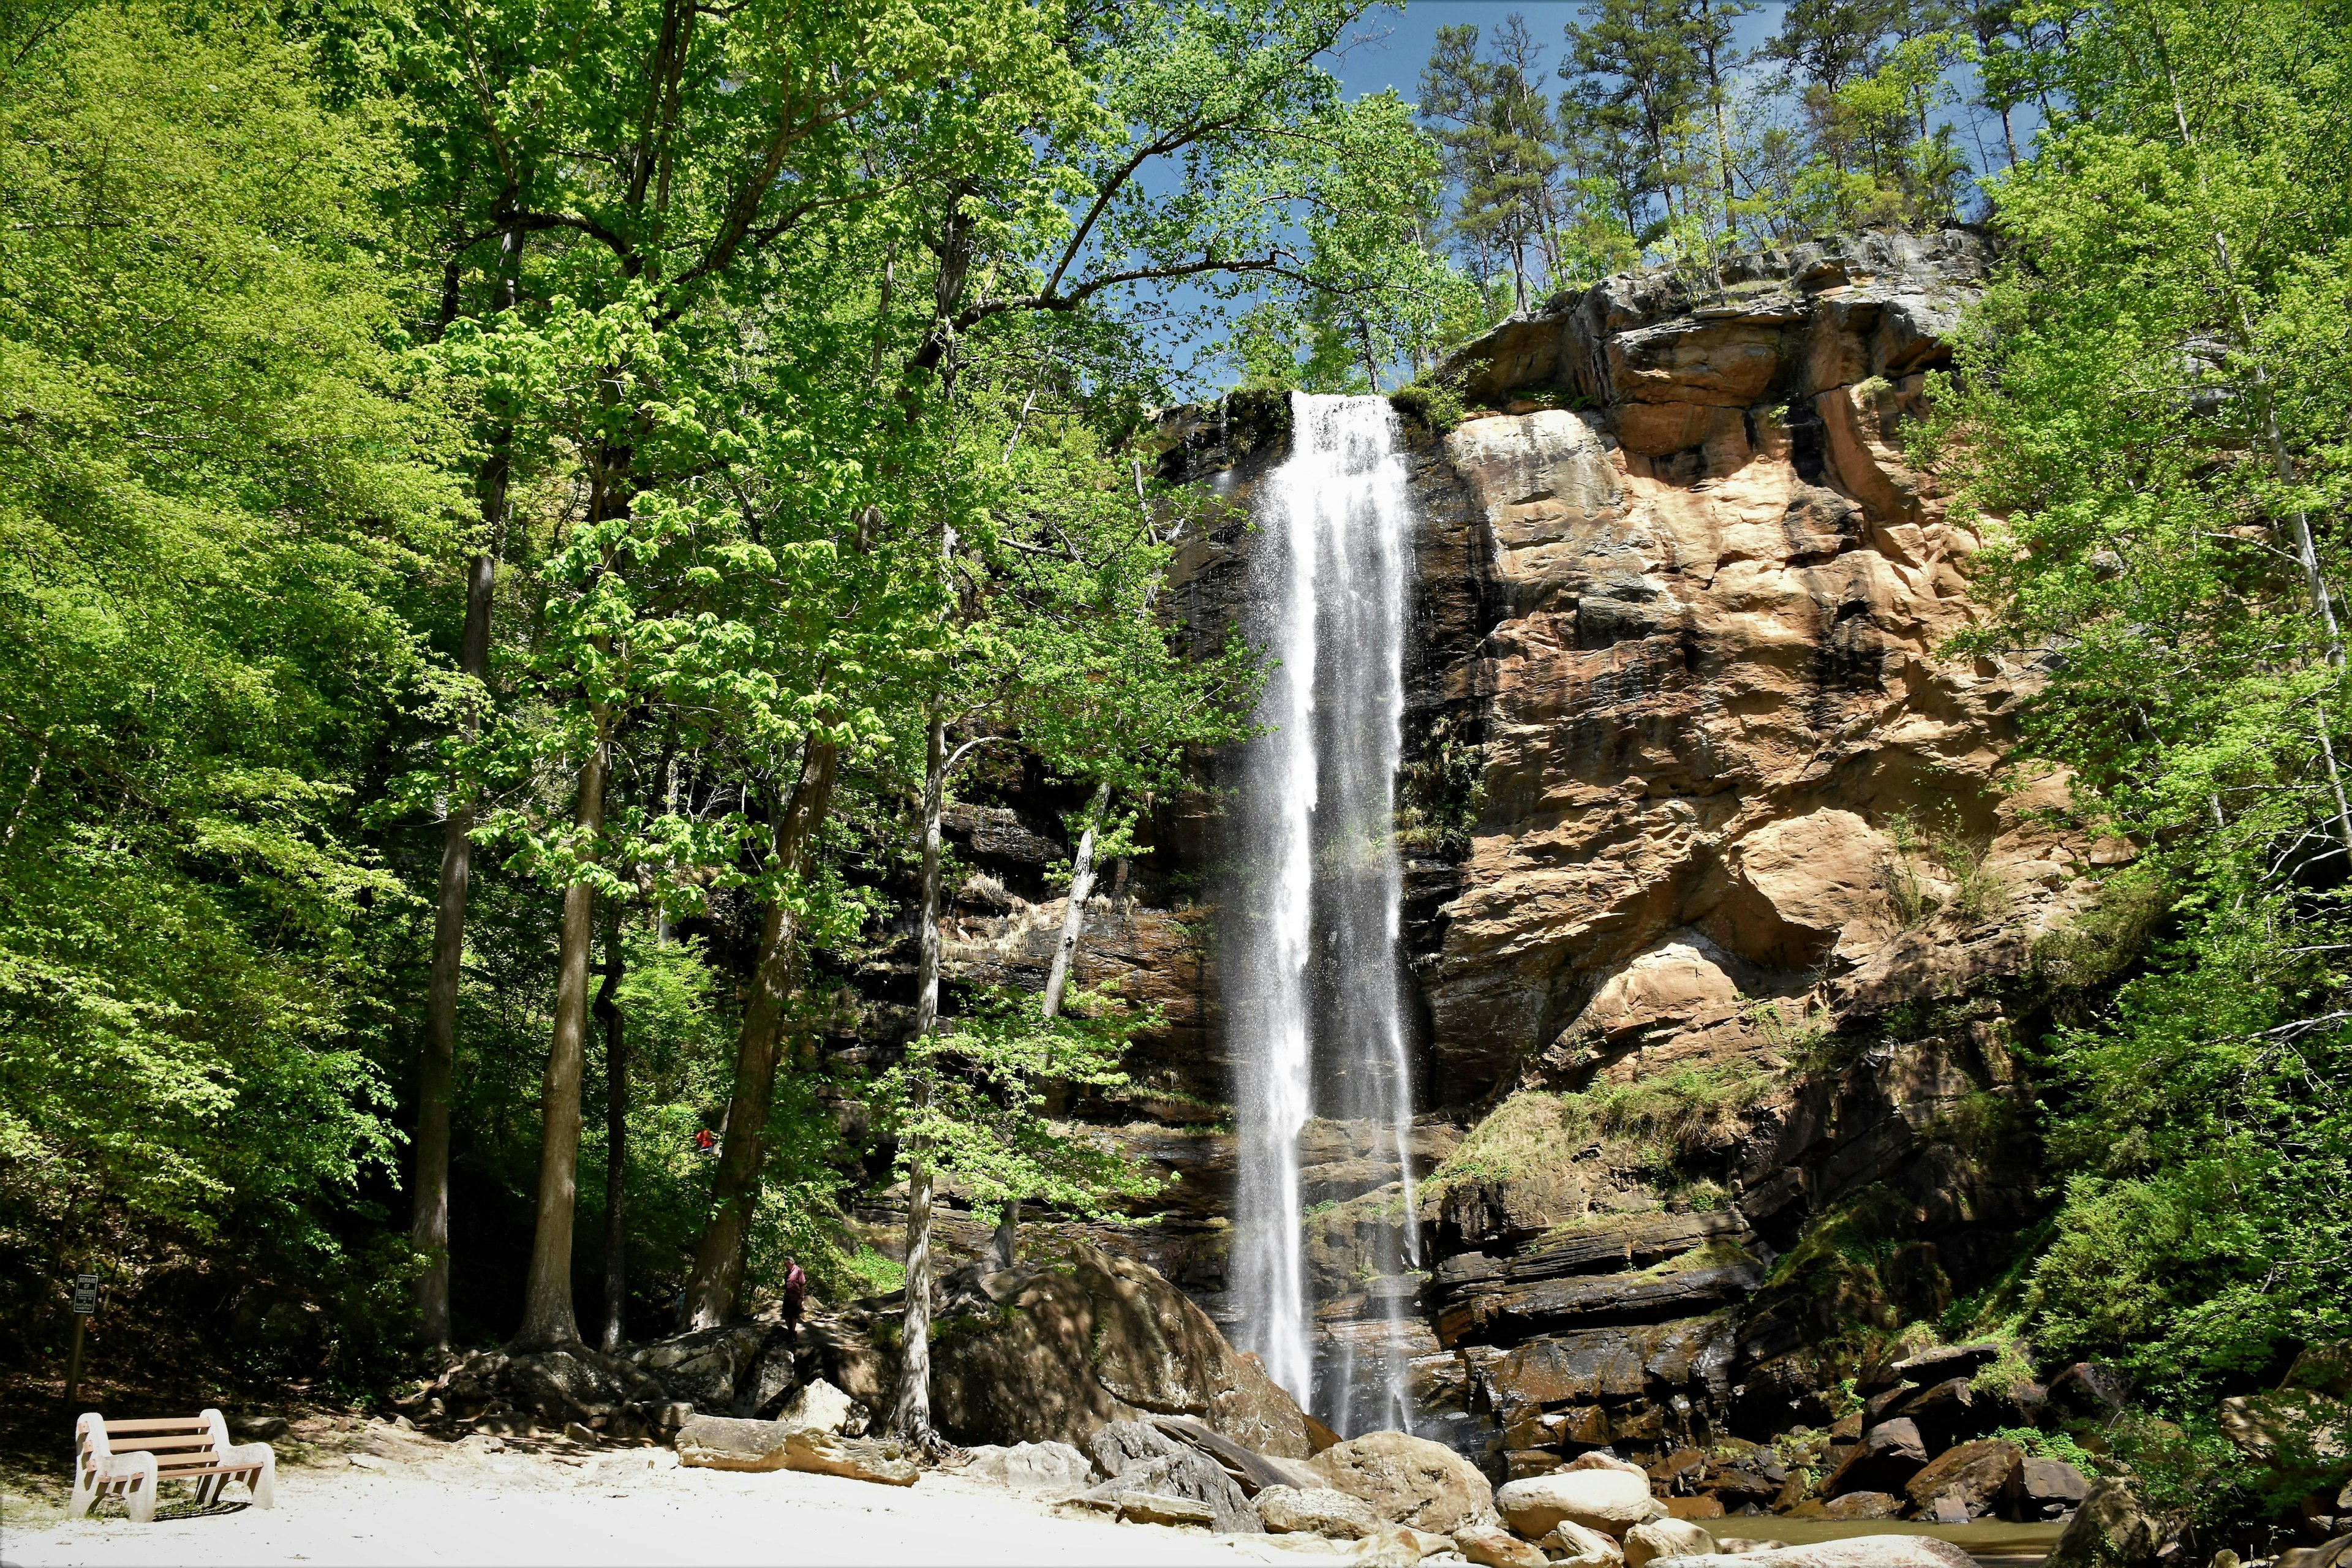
column 1387, row 50
column 1395, row 40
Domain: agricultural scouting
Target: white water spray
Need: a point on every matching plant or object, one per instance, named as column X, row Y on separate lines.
column 1314, row 975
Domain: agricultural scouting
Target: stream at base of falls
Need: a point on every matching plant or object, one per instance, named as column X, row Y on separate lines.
column 1314, row 977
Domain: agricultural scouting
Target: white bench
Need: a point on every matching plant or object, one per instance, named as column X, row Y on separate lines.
column 130, row 1459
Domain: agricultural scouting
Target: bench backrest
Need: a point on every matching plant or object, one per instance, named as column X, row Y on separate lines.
column 179, row 1442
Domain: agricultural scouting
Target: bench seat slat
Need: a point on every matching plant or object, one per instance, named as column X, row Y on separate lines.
column 162, row 1444
column 173, row 1424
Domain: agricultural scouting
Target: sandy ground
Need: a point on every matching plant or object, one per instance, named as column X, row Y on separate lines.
column 624, row 1507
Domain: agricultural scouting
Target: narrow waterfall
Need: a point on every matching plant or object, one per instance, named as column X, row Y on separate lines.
column 1314, row 975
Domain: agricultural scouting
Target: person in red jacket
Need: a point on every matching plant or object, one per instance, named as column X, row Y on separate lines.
column 795, row 1291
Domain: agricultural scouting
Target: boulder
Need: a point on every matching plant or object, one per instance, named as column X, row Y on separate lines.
column 1119, row 1445
column 2287, row 1425
column 1885, row 1459
column 2045, row 1489
column 1666, row 1538
column 2322, row 1369
column 2089, row 1391
column 1252, row 1470
column 1046, row 1469
column 1978, row 1472
column 1054, row 1349
column 1409, row 1480
column 1610, row 1502
column 2112, row 1528
column 882, row 1460
column 1704, row 1507
column 1853, row 1551
column 704, row 1367
column 1937, row 1362
column 1180, row 1474
column 1315, row 1510
column 1602, row 1459
column 1390, row 1546
column 724, row 1443
column 762, row 1388
column 1151, row 1508
column 1499, row 1547
column 1865, row 1505
column 572, row 1381
column 1575, row 1546
column 820, row 1407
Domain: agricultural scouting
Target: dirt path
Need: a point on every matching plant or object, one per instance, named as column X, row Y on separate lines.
column 627, row 1507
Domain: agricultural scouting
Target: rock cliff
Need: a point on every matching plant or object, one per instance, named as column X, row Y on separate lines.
column 1722, row 908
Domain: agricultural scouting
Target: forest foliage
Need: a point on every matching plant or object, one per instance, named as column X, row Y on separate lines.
column 520, row 525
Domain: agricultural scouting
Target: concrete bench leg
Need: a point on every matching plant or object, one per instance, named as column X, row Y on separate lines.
column 139, row 1498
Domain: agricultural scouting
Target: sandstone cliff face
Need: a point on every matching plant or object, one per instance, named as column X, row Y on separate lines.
column 1720, row 905
column 1713, row 715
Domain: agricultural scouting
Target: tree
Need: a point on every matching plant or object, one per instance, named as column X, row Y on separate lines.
column 1495, row 130
column 219, row 484
column 2151, row 401
column 1634, row 75
column 995, row 232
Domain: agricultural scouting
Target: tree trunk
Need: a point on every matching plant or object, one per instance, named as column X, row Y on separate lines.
column 717, row 1275
column 429, row 1218
column 912, row 1417
column 1057, row 979
column 547, row 1314
column 617, row 1141
column 1074, row 918
column 429, row 1212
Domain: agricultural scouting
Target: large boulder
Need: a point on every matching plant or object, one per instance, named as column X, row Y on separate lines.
column 1186, row 1474
column 1853, row 1551
column 1315, row 1510
column 705, row 1367
column 1118, row 1447
column 1495, row 1547
column 2112, row 1528
column 2045, row 1489
column 1053, row 1350
column 1977, row 1473
column 1409, row 1480
column 1666, row 1538
column 1888, row 1455
column 1575, row 1546
column 724, row 1443
column 1609, row 1501
column 1043, row 1469
column 820, row 1407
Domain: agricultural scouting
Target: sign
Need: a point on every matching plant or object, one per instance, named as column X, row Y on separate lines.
column 85, row 1294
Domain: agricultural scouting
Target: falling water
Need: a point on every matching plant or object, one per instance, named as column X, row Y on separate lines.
column 1314, row 976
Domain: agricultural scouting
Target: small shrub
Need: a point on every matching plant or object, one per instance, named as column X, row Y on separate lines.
column 2040, row 1445
column 1436, row 403
column 2108, row 938
column 1976, row 893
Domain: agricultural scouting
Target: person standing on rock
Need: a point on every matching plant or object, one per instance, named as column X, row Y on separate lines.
column 795, row 1292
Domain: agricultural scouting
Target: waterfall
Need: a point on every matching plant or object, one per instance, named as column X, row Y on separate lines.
column 1313, row 973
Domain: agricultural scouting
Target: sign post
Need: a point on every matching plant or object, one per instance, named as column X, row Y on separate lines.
column 85, row 1302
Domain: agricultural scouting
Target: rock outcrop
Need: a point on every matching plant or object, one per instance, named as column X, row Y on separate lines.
column 1057, row 1348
